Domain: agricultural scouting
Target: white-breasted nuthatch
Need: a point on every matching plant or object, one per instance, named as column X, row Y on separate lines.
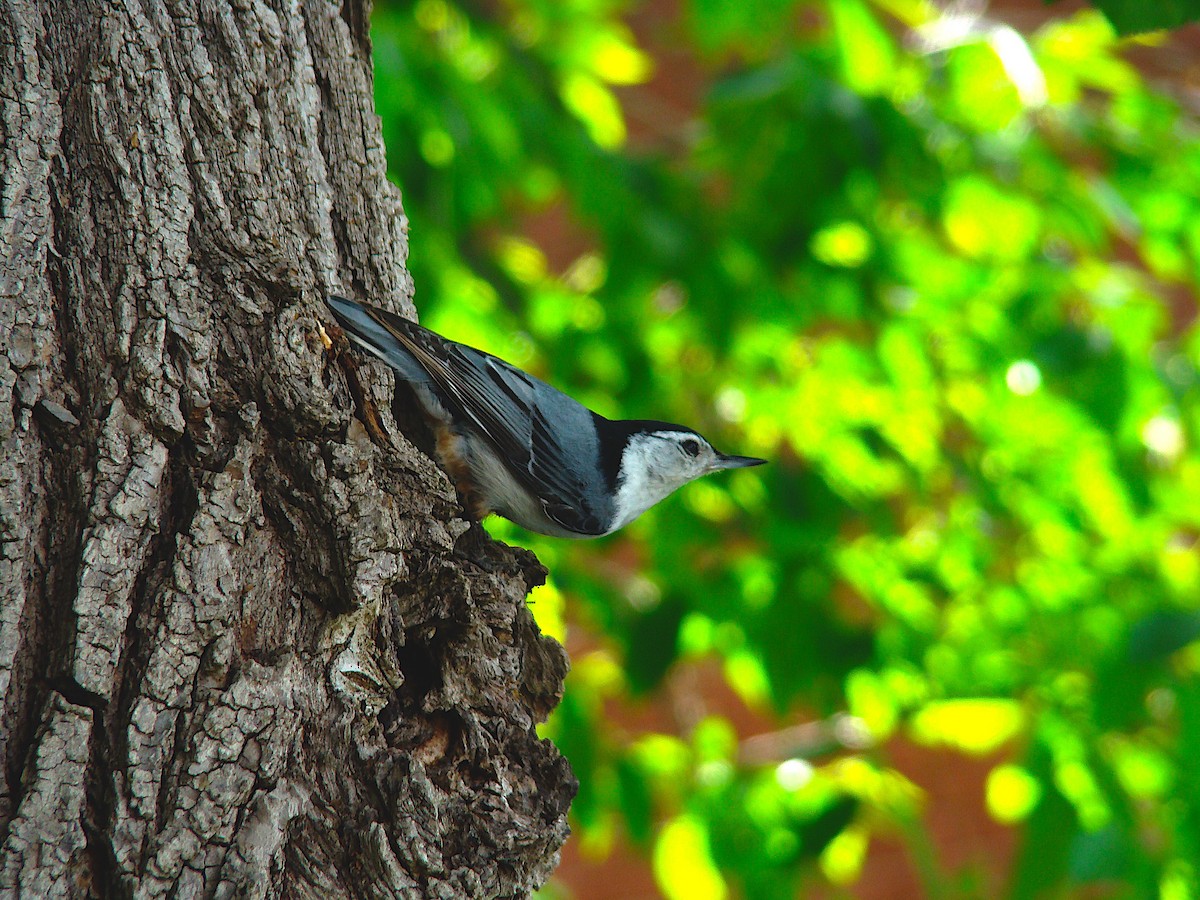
column 520, row 448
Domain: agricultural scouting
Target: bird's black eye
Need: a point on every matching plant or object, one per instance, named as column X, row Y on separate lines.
column 691, row 447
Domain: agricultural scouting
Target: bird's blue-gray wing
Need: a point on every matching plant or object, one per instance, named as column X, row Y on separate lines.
column 546, row 436
column 521, row 416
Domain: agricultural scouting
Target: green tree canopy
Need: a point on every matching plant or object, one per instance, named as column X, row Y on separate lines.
column 942, row 274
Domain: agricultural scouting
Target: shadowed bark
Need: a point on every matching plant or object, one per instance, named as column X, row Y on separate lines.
column 245, row 650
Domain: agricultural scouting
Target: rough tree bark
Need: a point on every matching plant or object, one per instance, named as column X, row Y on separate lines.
column 245, row 650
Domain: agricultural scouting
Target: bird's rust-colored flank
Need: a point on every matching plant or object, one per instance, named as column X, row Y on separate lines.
column 336, row 344
column 457, row 468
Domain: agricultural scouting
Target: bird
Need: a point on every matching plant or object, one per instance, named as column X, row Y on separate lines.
column 518, row 447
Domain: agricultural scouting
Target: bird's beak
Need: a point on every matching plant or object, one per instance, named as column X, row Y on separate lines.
column 736, row 462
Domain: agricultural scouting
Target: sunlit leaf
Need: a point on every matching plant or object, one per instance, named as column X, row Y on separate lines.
column 975, row 726
column 596, row 108
column 683, row 864
column 1012, row 793
column 614, row 59
column 842, row 244
column 867, row 56
column 984, row 221
column 842, row 860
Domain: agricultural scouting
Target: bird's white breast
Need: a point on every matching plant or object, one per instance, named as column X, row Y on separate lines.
column 504, row 494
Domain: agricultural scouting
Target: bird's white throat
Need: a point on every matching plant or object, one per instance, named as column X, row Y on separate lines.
column 648, row 474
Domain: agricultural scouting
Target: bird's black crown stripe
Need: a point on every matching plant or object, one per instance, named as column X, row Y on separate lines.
column 614, row 438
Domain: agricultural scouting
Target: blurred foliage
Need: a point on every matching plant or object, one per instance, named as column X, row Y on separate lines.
column 1132, row 16
column 943, row 275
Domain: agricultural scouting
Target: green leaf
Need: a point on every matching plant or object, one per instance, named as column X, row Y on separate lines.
column 1133, row 16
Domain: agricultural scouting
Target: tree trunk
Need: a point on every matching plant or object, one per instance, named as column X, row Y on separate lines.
column 245, row 648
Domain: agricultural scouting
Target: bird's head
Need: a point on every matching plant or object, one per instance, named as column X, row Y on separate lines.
column 659, row 458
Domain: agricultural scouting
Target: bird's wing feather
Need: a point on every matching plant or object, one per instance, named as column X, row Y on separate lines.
column 501, row 403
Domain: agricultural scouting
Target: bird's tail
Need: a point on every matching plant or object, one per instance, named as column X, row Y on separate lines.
column 375, row 331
